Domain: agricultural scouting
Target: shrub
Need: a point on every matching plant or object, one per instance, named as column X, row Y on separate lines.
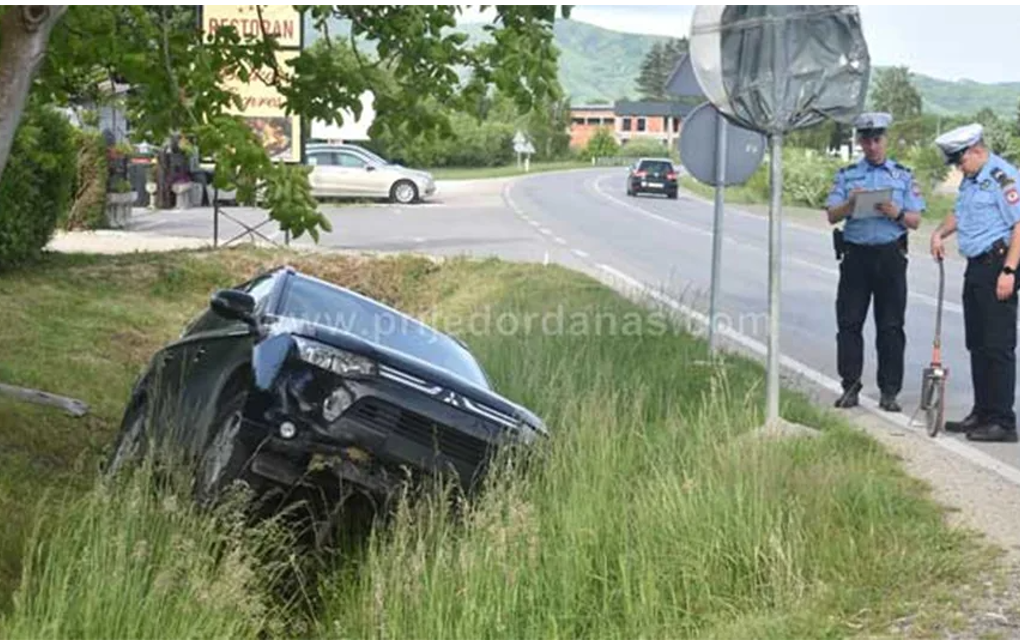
column 928, row 167
column 602, row 144
column 807, row 177
column 37, row 185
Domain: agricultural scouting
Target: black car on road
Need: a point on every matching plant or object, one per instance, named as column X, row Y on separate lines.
column 652, row 175
column 287, row 378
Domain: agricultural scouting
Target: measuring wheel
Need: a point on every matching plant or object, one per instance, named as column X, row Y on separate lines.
column 933, row 381
column 933, row 396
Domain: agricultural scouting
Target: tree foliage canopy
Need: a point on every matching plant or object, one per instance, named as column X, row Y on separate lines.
column 658, row 64
column 174, row 72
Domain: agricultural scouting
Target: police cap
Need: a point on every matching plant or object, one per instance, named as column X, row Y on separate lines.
column 953, row 143
column 872, row 124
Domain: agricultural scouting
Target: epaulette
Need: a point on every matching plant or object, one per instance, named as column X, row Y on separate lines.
column 848, row 167
column 900, row 166
column 1001, row 177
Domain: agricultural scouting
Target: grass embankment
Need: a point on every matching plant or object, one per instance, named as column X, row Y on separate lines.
column 649, row 513
column 476, row 173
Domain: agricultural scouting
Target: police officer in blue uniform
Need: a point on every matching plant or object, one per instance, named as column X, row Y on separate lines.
column 985, row 220
column 872, row 250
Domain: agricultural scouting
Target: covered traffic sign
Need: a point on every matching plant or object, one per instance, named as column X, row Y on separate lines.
column 775, row 69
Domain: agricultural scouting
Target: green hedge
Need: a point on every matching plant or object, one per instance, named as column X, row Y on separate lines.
column 37, row 185
column 807, row 178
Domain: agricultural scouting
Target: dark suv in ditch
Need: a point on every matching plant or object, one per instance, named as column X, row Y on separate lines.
column 288, row 377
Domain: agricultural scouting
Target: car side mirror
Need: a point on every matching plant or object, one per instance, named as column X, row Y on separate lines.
column 234, row 305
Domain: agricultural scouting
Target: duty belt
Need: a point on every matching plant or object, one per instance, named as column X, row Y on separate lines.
column 996, row 252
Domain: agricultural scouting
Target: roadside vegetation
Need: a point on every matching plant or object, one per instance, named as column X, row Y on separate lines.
column 807, row 179
column 506, row 171
column 652, row 511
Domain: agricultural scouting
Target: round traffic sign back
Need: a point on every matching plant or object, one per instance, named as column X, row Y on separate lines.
column 745, row 149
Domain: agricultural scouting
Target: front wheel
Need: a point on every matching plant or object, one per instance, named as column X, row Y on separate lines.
column 226, row 456
column 132, row 442
column 404, row 192
column 934, row 408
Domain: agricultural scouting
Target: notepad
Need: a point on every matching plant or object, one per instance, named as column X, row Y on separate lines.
column 868, row 200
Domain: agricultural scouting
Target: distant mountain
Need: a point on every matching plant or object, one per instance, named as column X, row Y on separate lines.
column 597, row 64
column 600, row 65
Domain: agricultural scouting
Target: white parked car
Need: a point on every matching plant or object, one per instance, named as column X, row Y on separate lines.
column 349, row 171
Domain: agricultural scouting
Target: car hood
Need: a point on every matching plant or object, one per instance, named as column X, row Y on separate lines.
column 407, row 364
column 411, row 173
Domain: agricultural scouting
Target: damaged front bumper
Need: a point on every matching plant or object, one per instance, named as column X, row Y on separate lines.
column 373, row 427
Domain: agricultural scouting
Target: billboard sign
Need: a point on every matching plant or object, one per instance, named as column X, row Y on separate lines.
column 261, row 103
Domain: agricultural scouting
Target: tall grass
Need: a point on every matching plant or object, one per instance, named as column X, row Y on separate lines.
column 128, row 560
column 653, row 511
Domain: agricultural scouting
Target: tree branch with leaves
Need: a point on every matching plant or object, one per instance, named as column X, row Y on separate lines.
column 175, row 74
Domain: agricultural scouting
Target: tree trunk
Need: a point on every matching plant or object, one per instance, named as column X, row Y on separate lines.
column 24, row 36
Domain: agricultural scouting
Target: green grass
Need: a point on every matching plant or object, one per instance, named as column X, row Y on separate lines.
column 649, row 513
column 476, row 173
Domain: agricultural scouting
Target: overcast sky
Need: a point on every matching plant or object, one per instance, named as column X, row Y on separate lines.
column 950, row 42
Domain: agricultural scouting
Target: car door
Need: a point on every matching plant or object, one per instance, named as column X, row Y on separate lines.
column 214, row 350
column 325, row 178
column 361, row 175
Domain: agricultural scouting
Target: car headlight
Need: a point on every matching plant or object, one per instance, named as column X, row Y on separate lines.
column 340, row 362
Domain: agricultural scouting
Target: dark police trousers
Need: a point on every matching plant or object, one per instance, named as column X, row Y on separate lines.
column 990, row 326
column 867, row 271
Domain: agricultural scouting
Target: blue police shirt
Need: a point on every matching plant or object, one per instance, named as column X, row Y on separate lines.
column 987, row 207
column 863, row 175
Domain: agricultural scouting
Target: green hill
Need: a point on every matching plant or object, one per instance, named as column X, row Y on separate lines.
column 599, row 64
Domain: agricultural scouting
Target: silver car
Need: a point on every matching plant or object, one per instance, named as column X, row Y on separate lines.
column 349, row 171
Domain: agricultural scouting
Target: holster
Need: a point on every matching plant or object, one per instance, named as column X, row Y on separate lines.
column 838, row 244
column 904, row 245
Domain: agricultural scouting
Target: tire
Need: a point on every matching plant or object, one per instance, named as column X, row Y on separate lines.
column 672, row 195
column 404, row 192
column 226, row 455
column 132, row 441
column 934, row 412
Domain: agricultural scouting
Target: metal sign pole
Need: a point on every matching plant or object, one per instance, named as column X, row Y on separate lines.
column 720, row 178
column 775, row 245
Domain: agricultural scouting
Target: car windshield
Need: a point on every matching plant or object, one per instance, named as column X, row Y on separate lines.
column 656, row 166
column 312, row 301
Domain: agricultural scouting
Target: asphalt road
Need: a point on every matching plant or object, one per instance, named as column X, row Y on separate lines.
column 583, row 219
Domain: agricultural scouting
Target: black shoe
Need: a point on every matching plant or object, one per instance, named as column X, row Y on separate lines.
column 888, row 403
column 849, row 397
column 992, row 433
column 969, row 423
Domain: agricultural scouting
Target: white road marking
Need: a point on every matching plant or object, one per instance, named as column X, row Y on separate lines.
column 545, row 231
column 961, row 449
column 579, row 253
column 559, row 240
